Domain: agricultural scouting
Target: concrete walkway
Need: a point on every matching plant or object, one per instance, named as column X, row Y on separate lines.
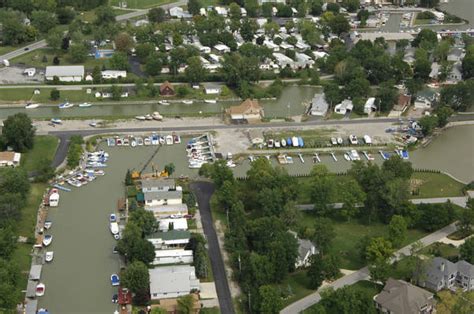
column 363, row 273
column 460, row 201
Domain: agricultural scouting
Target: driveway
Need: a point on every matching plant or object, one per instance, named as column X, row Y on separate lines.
column 203, row 192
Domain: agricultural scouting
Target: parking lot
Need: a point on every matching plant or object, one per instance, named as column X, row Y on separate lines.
column 14, row 75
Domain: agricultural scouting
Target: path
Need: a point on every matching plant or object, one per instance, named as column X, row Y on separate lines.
column 203, row 192
column 460, row 201
column 363, row 273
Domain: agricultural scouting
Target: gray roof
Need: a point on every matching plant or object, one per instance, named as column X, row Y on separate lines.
column 456, row 52
column 465, row 268
column 319, row 104
column 65, row 70
column 162, row 195
column 399, row 296
column 31, row 289
column 35, row 272
column 161, row 183
column 31, row 307
column 183, row 208
column 433, row 271
column 173, row 279
column 304, row 246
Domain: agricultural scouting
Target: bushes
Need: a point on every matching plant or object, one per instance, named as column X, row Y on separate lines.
column 75, row 151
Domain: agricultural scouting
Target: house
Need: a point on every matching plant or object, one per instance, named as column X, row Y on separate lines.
column 141, row 22
column 172, row 281
column 456, row 73
column 165, row 211
column 113, row 74
column 271, row 45
column 221, row 48
column 221, row 11
column 401, row 297
column 214, row 58
column 178, row 256
column 29, row 72
column 284, row 61
column 179, row 13
column 166, row 89
column 9, row 159
column 303, row 60
column 179, row 224
column 422, row 103
column 156, row 198
column 256, row 137
column 409, row 56
column 212, row 89
column 319, row 55
column 443, row 274
column 247, row 110
column 456, row 54
column 403, row 103
column 370, row 106
column 65, row 73
column 434, row 70
column 154, row 185
column 306, row 249
column 170, row 239
column 319, row 105
column 344, row 107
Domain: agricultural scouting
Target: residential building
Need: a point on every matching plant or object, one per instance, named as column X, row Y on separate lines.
column 165, row 211
column 221, row 48
column 456, row 54
column 103, row 53
column 178, row 256
column 166, row 89
column 303, row 60
column 249, row 110
column 180, row 224
column 9, row 159
column 344, row 107
column 284, row 61
column 306, row 249
column 212, row 89
column 443, row 274
column 172, row 281
column 154, row 185
column 401, row 297
column 65, row 73
column 319, row 54
column 319, row 105
column 422, row 103
column 435, row 67
column 370, row 106
column 113, row 74
column 179, row 13
column 409, row 56
column 157, row 198
column 170, row 239
column 465, row 275
column 456, row 73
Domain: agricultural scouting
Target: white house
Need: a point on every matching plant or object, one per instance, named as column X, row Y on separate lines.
column 212, row 90
column 221, row 11
column 271, row 45
column 157, row 198
column 456, row 73
column 178, row 256
column 65, row 73
column 319, row 54
column 306, row 249
column 166, row 211
column 30, row 72
column 221, row 48
column 113, row 74
column 153, row 185
column 344, row 107
column 9, row 159
column 170, row 239
column 422, row 103
column 172, row 281
column 180, row 224
column 369, row 106
column 434, row 70
column 303, row 60
column 179, row 13
column 214, row 58
column 283, row 61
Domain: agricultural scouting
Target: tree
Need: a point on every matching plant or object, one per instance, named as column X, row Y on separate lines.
column 379, row 270
column 248, row 29
column 123, row 42
column 119, row 61
column 291, row 215
column 398, row 168
column 339, row 24
column 358, row 87
column 422, row 65
column 116, row 92
column 468, row 63
column 379, row 249
column 8, row 241
column 153, row 65
column 428, row 124
column 78, row 53
column 43, row 21
column 435, row 216
column 195, row 72
column 54, row 94
column 234, row 11
column 458, row 96
column 158, row 15
column 427, row 37
column 386, row 96
column 44, row 170
column 145, row 220
column 136, row 277
column 347, row 299
column 65, row 15
column 170, row 168
column 466, row 250
column 104, row 15
column 443, row 113
column 96, row 75
column 397, row 230
column 352, row 196
column 270, row 300
column 9, row 280
column 18, row 132
column 332, row 93
column 186, row 304
column 134, row 247
column 14, row 181
column 55, row 38
column 323, row 234
column 194, row 6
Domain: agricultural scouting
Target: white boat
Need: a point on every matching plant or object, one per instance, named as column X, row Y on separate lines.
column 277, row 144
column 187, row 102
column 231, row 164
column 354, row 155
column 85, row 105
column 283, row 142
column 196, row 164
column 40, row 288
column 270, row 143
column 347, row 157
column 367, row 139
column 229, row 156
column 164, row 102
column 140, row 118
column 65, row 105
column 114, row 227
column 156, row 116
column 31, row 106
column 162, row 140
column 56, row 121
column 333, row 141
column 294, row 141
column 139, row 141
column 169, row 140
column 339, row 141
column 47, row 239
column 210, row 101
column 147, row 141
column 48, row 224
column 133, row 142
column 53, row 198
column 49, row 256
column 149, row 117
column 353, row 139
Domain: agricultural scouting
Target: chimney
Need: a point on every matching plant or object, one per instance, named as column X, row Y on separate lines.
column 442, row 267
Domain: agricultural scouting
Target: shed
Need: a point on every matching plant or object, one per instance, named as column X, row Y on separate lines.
column 166, row 89
column 35, row 272
column 65, row 73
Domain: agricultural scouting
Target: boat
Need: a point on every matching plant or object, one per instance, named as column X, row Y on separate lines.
column 289, row 142
column 93, row 124
column 74, row 183
column 113, row 218
column 368, row 156
column 62, row 188
column 156, row 116
column 110, row 141
column 301, row 157
column 140, row 141
column 177, row 139
column 65, row 105
column 294, row 141
column 140, row 118
column 147, row 141
column 47, row 239
column 229, row 156
column 367, row 139
column 52, row 199
column 126, row 142
column 119, row 141
column 333, row 141
column 133, row 142
column 187, row 102
column 283, row 142
column 49, row 256
column 31, row 106
column 48, row 224
column 340, row 141
column 155, row 139
column 196, row 164
column 354, row 155
column 162, row 140
column 148, row 117
column 277, row 144
column 347, row 157
column 289, row 159
column 270, row 143
column 282, row 159
column 251, row 158
column 353, row 139
column 210, row 101
column 40, row 288
column 334, row 157
column 117, row 236
column 114, row 227
column 164, row 102
column 169, row 140
column 267, row 156
column 85, row 105
column 56, row 121
column 231, row 164
column 300, row 142
column 99, row 172
column 115, row 280
column 405, row 154
column 385, row 156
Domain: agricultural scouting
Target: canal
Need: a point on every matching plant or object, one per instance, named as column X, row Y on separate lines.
column 291, row 102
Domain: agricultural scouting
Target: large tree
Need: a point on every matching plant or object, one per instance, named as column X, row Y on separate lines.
column 158, row 15
column 136, row 277
column 145, row 220
column 18, row 132
column 467, row 250
column 44, row 21
column 270, row 300
column 397, row 230
column 195, row 72
column 123, row 42
column 323, row 234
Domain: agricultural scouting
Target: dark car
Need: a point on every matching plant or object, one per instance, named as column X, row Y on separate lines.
column 115, row 251
column 27, row 48
column 115, row 298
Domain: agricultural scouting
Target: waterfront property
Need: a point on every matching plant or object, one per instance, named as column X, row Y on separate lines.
column 65, row 73
column 248, row 111
column 165, row 211
column 319, row 105
column 344, row 107
column 173, row 224
column 10, row 159
column 157, row 198
column 170, row 239
column 166, row 89
column 306, row 249
column 172, row 281
column 177, row 256
column 153, row 185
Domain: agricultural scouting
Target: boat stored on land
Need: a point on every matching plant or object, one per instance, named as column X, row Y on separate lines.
column 56, row 121
column 334, row 157
column 347, row 156
column 140, row 118
column 368, row 156
column 164, row 102
column 294, row 141
column 353, row 139
column 31, row 106
column 169, row 140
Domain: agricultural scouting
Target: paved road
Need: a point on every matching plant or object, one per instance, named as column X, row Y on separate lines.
column 363, row 273
column 21, row 51
column 203, row 192
column 460, row 201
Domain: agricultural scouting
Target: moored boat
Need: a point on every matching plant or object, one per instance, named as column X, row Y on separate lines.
column 210, row 101
column 31, row 106
column 187, row 102
column 115, row 280
column 114, row 227
column 40, row 288
column 347, row 157
column 49, row 256
column 85, row 105
column 47, row 239
column 65, row 105
column 48, row 224
column 164, row 102
column 147, row 141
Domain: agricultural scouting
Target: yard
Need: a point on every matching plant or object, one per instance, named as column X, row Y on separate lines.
column 429, row 185
column 295, row 286
column 26, row 94
column 44, row 146
column 447, row 251
column 141, row 4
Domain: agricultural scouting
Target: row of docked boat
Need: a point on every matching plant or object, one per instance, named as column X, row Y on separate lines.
column 402, row 153
column 295, row 141
column 352, row 140
column 135, row 141
column 199, row 152
column 154, row 116
column 65, row 105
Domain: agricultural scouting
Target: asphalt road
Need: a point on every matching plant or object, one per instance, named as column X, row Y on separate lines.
column 203, row 192
column 21, row 51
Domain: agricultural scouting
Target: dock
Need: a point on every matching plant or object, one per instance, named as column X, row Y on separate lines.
column 316, row 158
column 334, row 156
column 366, row 155
column 384, row 157
column 301, row 157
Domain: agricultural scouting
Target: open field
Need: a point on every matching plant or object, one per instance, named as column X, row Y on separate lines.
column 140, row 4
column 44, row 147
column 430, row 185
column 26, row 94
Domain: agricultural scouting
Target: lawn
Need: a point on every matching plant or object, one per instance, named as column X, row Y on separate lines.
column 447, row 251
column 26, row 94
column 295, row 286
column 368, row 287
column 429, row 185
column 348, row 234
column 44, row 146
column 141, row 4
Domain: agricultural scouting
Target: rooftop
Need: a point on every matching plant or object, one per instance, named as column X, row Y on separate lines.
column 399, row 296
column 157, row 183
column 65, row 70
column 171, row 235
column 163, row 195
column 249, row 106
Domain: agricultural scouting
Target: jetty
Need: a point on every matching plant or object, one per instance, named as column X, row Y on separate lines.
column 334, row 156
column 301, row 157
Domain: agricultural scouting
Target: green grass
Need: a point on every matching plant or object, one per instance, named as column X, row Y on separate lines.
column 348, row 234
column 295, row 286
column 141, row 4
column 368, row 287
column 441, row 249
column 422, row 21
column 45, row 146
column 26, row 94
column 210, row 310
column 430, row 185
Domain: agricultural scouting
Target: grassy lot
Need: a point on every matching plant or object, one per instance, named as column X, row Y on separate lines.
column 295, row 285
column 441, row 249
column 141, row 4
column 26, row 94
column 368, row 286
column 422, row 21
column 435, row 185
column 45, row 146
column 210, row 310
column 348, row 234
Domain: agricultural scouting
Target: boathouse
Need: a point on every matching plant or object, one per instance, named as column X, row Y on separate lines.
column 166, row 89
column 249, row 110
column 9, row 159
column 172, row 281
